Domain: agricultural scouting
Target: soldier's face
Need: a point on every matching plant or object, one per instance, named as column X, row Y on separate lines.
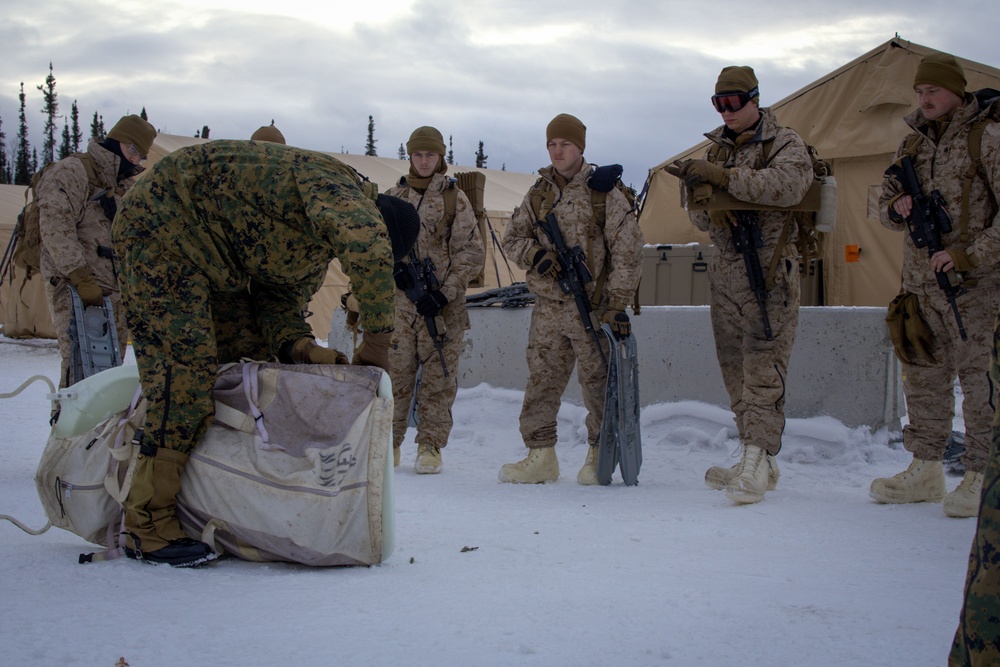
column 742, row 119
column 566, row 157
column 425, row 162
column 935, row 101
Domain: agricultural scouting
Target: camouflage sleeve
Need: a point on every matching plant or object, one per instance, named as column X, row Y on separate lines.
column 700, row 219
column 465, row 250
column 519, row 237
column 985, row 249
column 623, row 238
column 353, row 228
column 890, row 191
column 783, row 181
column 62, row 197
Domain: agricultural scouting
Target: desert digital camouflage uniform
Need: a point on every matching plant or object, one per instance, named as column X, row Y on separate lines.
column 977, row 640
column 556, row 338
column 457, row 253
column 221, row 247
column 753, row 368
column 76, row 233
column 941, row 163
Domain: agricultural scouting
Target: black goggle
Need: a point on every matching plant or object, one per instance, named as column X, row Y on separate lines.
column 733, row 101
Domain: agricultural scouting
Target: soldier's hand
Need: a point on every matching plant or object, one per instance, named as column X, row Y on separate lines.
column 306, row 351
column 903, row 206
column 701, row 193
column 431, row 304
column 703, row 171
column 90, row 292
column 374, row 350
column 545, row 262
column 616, row 318
column 677, row 167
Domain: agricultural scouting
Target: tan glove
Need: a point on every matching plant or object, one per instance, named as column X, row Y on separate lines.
column 703, row 171
column 545, row 262
column 616, row 318
column 374, row 350
column 306, row 351
column 90, row 292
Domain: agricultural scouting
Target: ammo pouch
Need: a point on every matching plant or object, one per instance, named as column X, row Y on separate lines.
column 911, row 338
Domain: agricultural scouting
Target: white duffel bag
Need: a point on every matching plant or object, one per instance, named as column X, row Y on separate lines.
column 295, row 468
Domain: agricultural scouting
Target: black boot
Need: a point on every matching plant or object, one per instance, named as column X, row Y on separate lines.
column 184, row 552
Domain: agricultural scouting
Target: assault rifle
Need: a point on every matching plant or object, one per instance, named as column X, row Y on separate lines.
column 573, row 275
column 927, row 223
column 746, row 240
column 420, row 281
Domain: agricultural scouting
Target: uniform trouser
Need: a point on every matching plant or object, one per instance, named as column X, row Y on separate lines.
column 181, row 332
column 61, row 310
column 929, row 389
column 413, row 347
column 977, row 640
column 557, row 340
column 754, row 368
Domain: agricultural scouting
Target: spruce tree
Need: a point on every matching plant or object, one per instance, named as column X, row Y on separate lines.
column 481, row 157
column 64, row 145
column 402, row 152
column 97, row 128
column 5, row 175
column 51, row 111
column 75, row 136
column 22, row 154
column 451, row 153
column 142, row 115
column 370, row 143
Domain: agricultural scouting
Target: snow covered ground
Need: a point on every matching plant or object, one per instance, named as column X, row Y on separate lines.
column 665, row 573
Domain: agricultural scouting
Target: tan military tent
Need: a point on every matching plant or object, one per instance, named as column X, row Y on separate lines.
column 853, row 116
column 25, row 313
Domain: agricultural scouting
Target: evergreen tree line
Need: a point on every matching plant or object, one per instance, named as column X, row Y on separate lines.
column 55, row 145
column 370, row 150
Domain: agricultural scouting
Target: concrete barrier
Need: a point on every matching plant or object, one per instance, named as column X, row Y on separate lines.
column 842, row 364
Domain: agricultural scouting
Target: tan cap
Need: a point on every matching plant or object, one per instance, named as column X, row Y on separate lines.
column 565, row 126
column 425, row 138
column 941, row 69
column 268, row 133
column 736, row 79
column 134, row 130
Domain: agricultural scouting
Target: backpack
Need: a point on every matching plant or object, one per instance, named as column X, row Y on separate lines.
column 473, row 184
column 27, row 239
column 542, row 199
column 988, row 99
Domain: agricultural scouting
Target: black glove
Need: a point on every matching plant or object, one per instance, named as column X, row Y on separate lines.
column 604, row 178
column 402, row 276
column 431, row 304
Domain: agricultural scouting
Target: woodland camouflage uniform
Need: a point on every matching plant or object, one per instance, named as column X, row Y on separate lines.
column 76, row 236
column 753, row 368
column 557, row 339
column 456, row 250
column 221, row 248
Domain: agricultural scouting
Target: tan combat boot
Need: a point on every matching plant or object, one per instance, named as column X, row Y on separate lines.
column 588, row 473
column 922, row 482
column 428, row 459
column 963, row 502
column 538, row 467
column 750, row 482
column 718, row 477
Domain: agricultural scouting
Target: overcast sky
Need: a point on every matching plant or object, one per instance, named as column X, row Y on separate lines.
column 638, row 73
